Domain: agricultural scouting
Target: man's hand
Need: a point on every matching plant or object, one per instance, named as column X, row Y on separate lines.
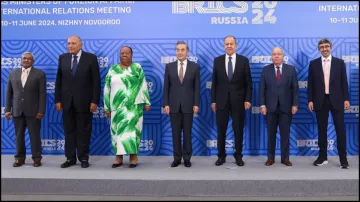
column 346, row 105
column 93, row 107
column 147, row 107
column 108, row 114
column 195, row 109
column 311, row 106
column 294, row 109
column 167, row 110
column 263, row 110
column 39, row 116
column 58, row 106
column 8, row 115
column 247, row 105
column 213, row 107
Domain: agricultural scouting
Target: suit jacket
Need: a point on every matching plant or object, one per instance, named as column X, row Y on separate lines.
column 286, row 92
column 240, row 87
column 82, row 89
column 30, row 99
column 186, row 94
column 339, row 91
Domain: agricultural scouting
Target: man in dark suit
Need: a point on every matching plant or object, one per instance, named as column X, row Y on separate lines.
column 26, row 102
column 181, row 100
column 279, row 100
column 77, row 93
column 328, row 91
column 231, row 93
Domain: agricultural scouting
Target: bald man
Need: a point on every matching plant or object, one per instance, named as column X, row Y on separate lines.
column 279, row 101
column 77, row 94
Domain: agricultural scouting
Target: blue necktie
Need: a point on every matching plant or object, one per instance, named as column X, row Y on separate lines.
column 74, row 65
column 230, row 69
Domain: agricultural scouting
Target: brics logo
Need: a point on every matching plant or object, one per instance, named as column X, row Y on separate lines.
column 52, row 144
column 229, row 144
column 10, row 63
column 50, row 87
column 313, row 144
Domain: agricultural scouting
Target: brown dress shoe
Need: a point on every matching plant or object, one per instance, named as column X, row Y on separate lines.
column 286, row 162
column 18, row 163
column 269, row 162
column 37, row 163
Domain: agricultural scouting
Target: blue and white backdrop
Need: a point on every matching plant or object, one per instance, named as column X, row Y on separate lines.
column 152, row 30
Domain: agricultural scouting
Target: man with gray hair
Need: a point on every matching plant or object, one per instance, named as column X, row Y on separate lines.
column 26, row 103
column 279, row 100
column 181, row 101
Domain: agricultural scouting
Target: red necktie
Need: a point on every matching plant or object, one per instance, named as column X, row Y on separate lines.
column 278, row 74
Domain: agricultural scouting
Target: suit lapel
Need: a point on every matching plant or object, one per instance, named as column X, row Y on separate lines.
column 188, row 71
column 174, row 70
column 320, row 69
column 332, row 70
column 223, row 60
column 18, row 77
column 273, row 74
column 283, row 74
column 80, row 61
column 30, row 76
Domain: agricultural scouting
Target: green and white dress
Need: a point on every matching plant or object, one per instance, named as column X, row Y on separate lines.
column 125, row 93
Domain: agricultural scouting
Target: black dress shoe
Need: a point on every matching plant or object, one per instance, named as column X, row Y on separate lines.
column 187, row 164
column 344, row 165
column 18, row 163
column 220, row 161
column 175, row 163
column 84, row 164
column 68, row 163
column 115, row 165
column 132, row 165
column 240, row 162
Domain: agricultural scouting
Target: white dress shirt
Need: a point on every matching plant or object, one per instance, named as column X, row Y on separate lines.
column 184, row 67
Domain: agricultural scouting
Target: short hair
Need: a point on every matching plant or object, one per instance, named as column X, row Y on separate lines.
column 182, row 42
column 282, row 51
column 78, row 38
column 230, row 36
column 131, row 51
column 27, row 53
column 324, row 40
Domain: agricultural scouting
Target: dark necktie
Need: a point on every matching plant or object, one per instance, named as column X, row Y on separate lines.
column 278, row 74
column 74, row 65
column 230, row 69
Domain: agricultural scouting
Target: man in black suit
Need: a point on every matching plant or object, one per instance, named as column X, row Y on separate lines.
column 77, row 93
column 231, row 93
column 328, row 91
column 26, row 103
column 181, row 100
column 279, row 100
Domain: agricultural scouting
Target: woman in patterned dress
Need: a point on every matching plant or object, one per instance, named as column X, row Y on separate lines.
column 125, row 94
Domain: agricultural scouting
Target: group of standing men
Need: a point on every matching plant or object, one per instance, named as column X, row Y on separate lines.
column 77, row 94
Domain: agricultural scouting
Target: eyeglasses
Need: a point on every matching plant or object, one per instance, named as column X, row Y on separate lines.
column 324, row 47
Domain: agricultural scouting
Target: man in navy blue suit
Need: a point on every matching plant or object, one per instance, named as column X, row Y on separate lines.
column 279, row 101
column 328, row 91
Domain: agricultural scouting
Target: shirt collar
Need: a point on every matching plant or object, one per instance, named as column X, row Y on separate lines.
column 233, row 56
column 323, row 58
column 28, row 69
column 185, row 63
column 78, row 54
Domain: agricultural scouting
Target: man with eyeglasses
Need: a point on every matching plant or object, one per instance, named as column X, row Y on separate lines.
column 328, row 91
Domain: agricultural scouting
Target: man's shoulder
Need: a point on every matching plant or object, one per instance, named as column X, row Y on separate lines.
column 87, row 54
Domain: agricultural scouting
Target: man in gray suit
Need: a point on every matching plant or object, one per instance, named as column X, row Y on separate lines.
column 279, row 101
column 181, row 100
column 26, row 103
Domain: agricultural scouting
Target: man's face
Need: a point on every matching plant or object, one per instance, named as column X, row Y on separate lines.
column 230, row 45
column 125, row 55
column 325, row 49
column 27, row 60
column 74, row 45
column 181, row 52
column 277, row 56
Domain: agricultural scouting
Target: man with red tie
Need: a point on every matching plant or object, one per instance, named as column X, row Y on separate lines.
column 279, row 101
column 328, row 91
